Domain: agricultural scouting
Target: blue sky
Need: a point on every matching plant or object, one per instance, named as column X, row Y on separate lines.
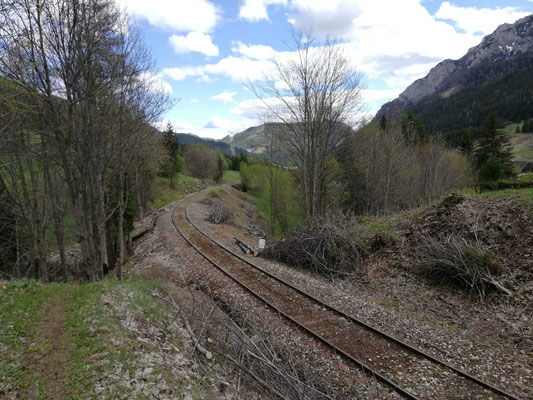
column 206, row 50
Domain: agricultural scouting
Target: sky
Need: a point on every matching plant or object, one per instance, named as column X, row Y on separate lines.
column 208, row 52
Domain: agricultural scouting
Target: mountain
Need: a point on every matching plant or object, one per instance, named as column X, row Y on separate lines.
column 457, row 94
column 252, row 139
column 223, row 147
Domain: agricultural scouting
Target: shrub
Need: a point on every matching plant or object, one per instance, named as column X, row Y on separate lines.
column 207, row 201
column 470, row 266
column 327, row 246
column 220, row 214
column 212, row 193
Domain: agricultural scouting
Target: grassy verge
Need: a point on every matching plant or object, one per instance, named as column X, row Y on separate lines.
column 164, row 195
column 111, row 339
column 525, row 195
column 231, row 176
column 262, row 203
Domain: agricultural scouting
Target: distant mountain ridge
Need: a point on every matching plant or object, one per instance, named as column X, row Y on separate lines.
column 498, row 72
column 223, row 147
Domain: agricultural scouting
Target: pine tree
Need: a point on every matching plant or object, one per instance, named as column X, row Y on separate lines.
column 413, row 130
column 526, row 127
column 467, row 145
column 493, row 154
column 173, row 163
column 383, row 122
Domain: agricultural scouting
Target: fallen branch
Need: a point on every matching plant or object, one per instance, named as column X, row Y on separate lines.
column 197, row 346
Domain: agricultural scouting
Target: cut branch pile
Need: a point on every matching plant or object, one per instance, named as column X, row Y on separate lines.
column 220, row 214
column 469, row 265
column 248, row 352
column 327, row 246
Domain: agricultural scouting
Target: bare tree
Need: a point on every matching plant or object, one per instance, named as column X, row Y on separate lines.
column 315, row 95
column 83, row 66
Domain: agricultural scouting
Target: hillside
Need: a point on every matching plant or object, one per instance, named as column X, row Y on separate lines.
column 251, row 139
column 458, row 93
column 225, row 148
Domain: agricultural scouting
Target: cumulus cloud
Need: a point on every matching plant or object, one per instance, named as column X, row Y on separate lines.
column 370, row 95
column 193, row 42
column 484, row 20
column 237, row 69
column 256, row 10
column 156, row 82
column 333, row 17
column 226, row 97
column 257, row 51
column 216, row 127
column 384, row 46
column 196, row 15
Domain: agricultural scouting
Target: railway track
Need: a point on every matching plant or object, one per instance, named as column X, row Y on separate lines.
column 383, row 356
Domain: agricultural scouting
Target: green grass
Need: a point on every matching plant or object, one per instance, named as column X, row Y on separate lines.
column 262, row 203
column 231, row 176
column 525, row 195
column 21, row 307
column 522, row 146
column 511, row 128
column 164, row 195
column 95, row 341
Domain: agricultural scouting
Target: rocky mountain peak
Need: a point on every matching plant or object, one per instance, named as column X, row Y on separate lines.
column 509, row 46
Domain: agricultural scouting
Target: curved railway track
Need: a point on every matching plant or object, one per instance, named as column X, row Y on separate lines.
column 381, row 355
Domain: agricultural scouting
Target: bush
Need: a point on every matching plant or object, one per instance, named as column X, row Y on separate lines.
column 470, row 266
column 220, row 214
column 327, row 246
column 212, row 193
column 207, row 201
column 491, row 170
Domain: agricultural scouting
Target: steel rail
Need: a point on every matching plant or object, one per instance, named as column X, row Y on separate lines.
column 359, row 322
column 403, row 392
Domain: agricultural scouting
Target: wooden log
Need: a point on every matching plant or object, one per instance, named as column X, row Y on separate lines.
column 244, row 249
column 250, row 250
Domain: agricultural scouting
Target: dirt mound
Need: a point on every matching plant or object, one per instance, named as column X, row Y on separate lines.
column 501, row 224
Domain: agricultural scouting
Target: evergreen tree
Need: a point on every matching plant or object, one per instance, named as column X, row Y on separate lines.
column 527, row 126
column 173, row 162
column 413, row 130
column 517, row 129
column 220, row 168
column 494, row 149
column 383, row 122
column 467, row 145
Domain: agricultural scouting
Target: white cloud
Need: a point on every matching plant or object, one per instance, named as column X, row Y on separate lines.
column 238, row 69
column 256, row 10
column 195, row 15
column 157, row 82
column 484, row 20
column 257, row 51
column 382, row 43
column 194, row 100
column 385, row 94
column 216, row 127
column 331, row 17
column 194, row 42
column 226, row 97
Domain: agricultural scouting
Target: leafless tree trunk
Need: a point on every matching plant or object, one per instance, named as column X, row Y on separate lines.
column 82, row 66
column 316, row 95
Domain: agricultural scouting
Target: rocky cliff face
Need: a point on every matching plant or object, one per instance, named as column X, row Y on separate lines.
column 508, row 48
